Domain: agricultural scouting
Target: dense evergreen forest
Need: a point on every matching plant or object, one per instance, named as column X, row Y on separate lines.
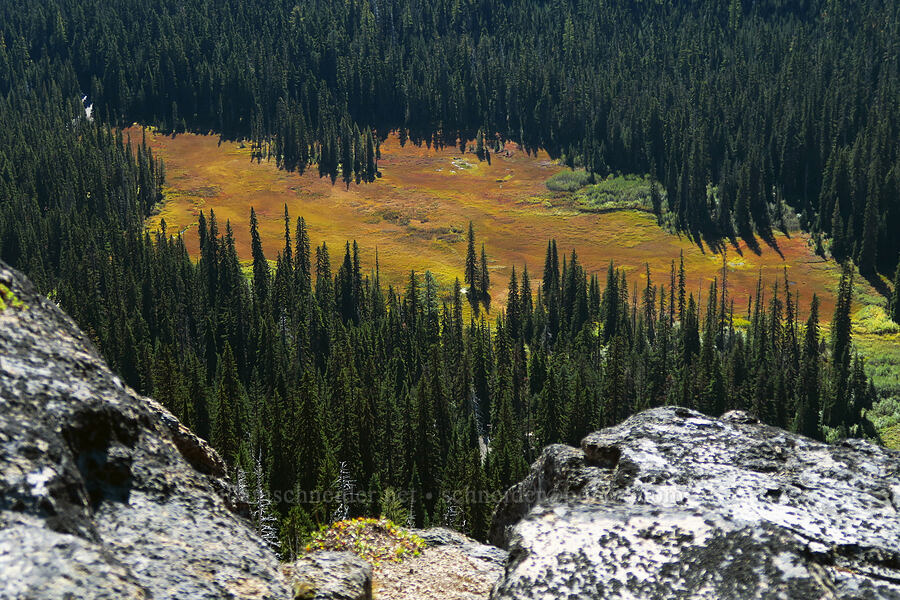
column 312, row 378
column 749, row 113
column 312, row 375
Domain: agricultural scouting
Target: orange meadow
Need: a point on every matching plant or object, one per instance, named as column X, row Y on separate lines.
column 416, row 216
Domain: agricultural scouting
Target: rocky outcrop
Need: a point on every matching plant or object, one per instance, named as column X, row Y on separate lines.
column 451, row 567
column 103, row 493
column 674, row 504
column 437, row 537
column 330, row 576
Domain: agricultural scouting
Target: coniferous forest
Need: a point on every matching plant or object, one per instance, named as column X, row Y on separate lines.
column 308, row 374
column 781, row 106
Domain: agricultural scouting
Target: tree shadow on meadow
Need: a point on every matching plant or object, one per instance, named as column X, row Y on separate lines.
column 769, row 238
column 750, row 238
column 878, row 283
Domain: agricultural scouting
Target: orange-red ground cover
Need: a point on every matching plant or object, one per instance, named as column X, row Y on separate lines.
column 417, row 214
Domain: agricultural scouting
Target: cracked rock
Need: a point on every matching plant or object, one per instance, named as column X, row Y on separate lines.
column 674, row 504
column 103, row 493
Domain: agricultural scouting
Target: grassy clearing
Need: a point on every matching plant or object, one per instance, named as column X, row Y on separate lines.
column 416, row 216
column 616, row 193
column 882, row 355
column 568, row 181
column 878, row 340
column 873, row 320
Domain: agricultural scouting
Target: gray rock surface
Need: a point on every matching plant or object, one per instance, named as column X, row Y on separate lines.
column 674, row 504
column 331, row 576
column 103, row 493
column 441, row 536
column 451, row 567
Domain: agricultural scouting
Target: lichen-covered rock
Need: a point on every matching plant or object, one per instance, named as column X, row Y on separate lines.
column 441, row 536
column 103, row 493
column 675, row 504
column 609, row 551
column 559, row 474
column 330, row 576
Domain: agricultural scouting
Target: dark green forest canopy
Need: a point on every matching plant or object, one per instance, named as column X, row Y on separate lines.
column 778, row 103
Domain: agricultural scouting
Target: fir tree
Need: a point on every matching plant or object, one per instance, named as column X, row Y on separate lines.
column 484, row 281
column 807, row 421
column 371, row 170
column 506, row 457
column 359, row 155
column 868, row 244
column 838, row 246
column 392, row 507
column 513, row 308
column 527, row 307
column 347, row 144
column 836, row 409
column 472, row 273
column 681, row 287
column 260, row 264
column 480, row 148
column 229, row 393
column 303, row 265
column 308, row 434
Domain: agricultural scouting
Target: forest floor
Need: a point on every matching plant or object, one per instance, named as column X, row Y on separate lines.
column 416, row 216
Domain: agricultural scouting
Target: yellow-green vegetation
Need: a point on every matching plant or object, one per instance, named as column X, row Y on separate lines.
column 878, row 339
column 874, row 320
column 8, row 299
column 616, row 193
column 416, row 213
column 741, row 323
column 374, row 540
column 882, row 354
column 568, row 181
column 891, row 437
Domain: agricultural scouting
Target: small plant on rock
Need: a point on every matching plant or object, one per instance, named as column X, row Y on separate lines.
column 8, row 299
column 374, row 540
